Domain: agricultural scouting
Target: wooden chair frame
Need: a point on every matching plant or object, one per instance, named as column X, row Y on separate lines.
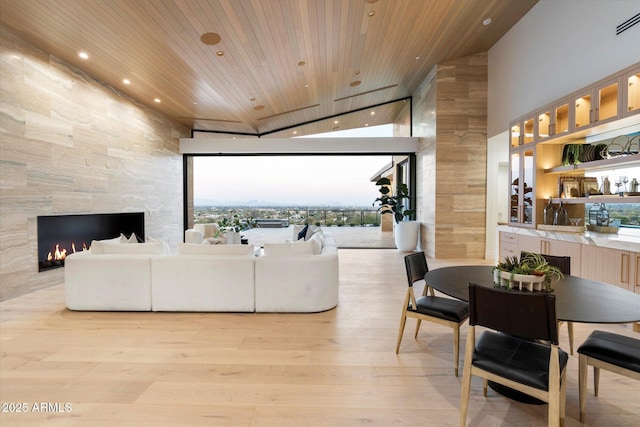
column 411, row 298
column 584, row 362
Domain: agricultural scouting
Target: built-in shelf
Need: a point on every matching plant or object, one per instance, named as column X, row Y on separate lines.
column 630, row 160
column 596, row 199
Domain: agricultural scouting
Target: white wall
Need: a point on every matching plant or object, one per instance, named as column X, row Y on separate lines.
column 497, row 191
column 556, row 49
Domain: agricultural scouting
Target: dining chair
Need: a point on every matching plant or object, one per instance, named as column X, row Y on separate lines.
column 564, row 265
column 510, row 353
column 443, row 311
column 606, row 350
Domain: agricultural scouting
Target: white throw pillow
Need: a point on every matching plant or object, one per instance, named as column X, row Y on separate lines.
column 97, row 246
column 195, row 249
column 152, row 248
column 166, row 250
column 288, row 249
column 317, row 242
column 131, row 239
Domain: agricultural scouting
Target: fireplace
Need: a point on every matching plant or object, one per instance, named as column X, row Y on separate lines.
column 61, row 235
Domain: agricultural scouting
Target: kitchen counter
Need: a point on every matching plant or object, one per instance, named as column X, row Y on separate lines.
column 627, row 239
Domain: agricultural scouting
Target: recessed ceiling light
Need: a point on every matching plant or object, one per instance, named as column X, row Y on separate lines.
column 210, row 38
column 301, row 63
column 83, row 55
column 220, row 53
column 373, row 113
column 126, row 81
column 355, row 83
column 252, row 99
column 357, row 73
column 487, row 21
column 295, row 132
column 371, row 2
column 306, row 85
column 336, row 122
column 366, row 124
column 157, row 100
column 258, row 107
column 417, row 57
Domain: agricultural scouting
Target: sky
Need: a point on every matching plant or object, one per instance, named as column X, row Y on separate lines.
column 290, row 180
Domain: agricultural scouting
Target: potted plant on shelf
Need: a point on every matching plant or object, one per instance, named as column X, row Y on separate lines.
column 531, row 272
column 405, row 231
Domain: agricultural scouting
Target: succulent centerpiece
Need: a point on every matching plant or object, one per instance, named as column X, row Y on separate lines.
column 531, row 272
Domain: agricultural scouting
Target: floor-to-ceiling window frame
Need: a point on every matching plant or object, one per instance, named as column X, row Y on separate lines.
column 404, row 169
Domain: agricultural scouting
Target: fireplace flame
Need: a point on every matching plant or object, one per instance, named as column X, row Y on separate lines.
column 58, row 254
column 61, row 254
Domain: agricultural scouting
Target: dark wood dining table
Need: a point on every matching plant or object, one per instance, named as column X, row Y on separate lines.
column 577, row 299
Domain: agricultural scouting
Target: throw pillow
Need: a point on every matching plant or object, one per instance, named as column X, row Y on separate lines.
column 152, row 248
column 314, row 231
column 317, row 242
column 288, row 249
column 302, row 235
column 165, row 246
column 97, row 246
column 195, row 249
column 132, row 238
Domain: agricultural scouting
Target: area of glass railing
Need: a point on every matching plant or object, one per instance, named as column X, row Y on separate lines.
column 274, row 217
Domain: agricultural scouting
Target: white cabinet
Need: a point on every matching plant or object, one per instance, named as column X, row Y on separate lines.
column 553, row 121
column 522, row 176
column 597, row 104
column 537, row 138
column 523, row 131
column 631, row 96
column 509, row 246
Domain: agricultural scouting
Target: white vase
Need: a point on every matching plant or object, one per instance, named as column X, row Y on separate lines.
column 521, row 282
column 233, row 237
column 406, row 235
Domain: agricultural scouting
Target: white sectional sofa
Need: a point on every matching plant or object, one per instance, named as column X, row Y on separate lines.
column 204, row 278
column 297, row 282
column 110, row 277
column 285, row 277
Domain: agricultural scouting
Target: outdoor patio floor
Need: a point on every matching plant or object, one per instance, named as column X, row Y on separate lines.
column 346, row 237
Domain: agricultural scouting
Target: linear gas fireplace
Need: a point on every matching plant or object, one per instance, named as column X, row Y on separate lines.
column 61, row 235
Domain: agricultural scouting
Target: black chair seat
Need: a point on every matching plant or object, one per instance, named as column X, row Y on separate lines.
column 523, row 361
column 614, row 349
column 445, row 308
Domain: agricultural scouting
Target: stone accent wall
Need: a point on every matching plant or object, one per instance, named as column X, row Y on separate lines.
column 450, row 117
column 70, row 145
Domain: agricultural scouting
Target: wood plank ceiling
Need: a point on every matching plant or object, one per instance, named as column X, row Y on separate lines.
column 284, row 62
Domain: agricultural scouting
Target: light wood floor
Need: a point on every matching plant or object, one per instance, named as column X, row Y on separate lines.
column 336, row 368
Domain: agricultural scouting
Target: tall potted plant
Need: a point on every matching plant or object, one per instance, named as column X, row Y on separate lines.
column 405, row 231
